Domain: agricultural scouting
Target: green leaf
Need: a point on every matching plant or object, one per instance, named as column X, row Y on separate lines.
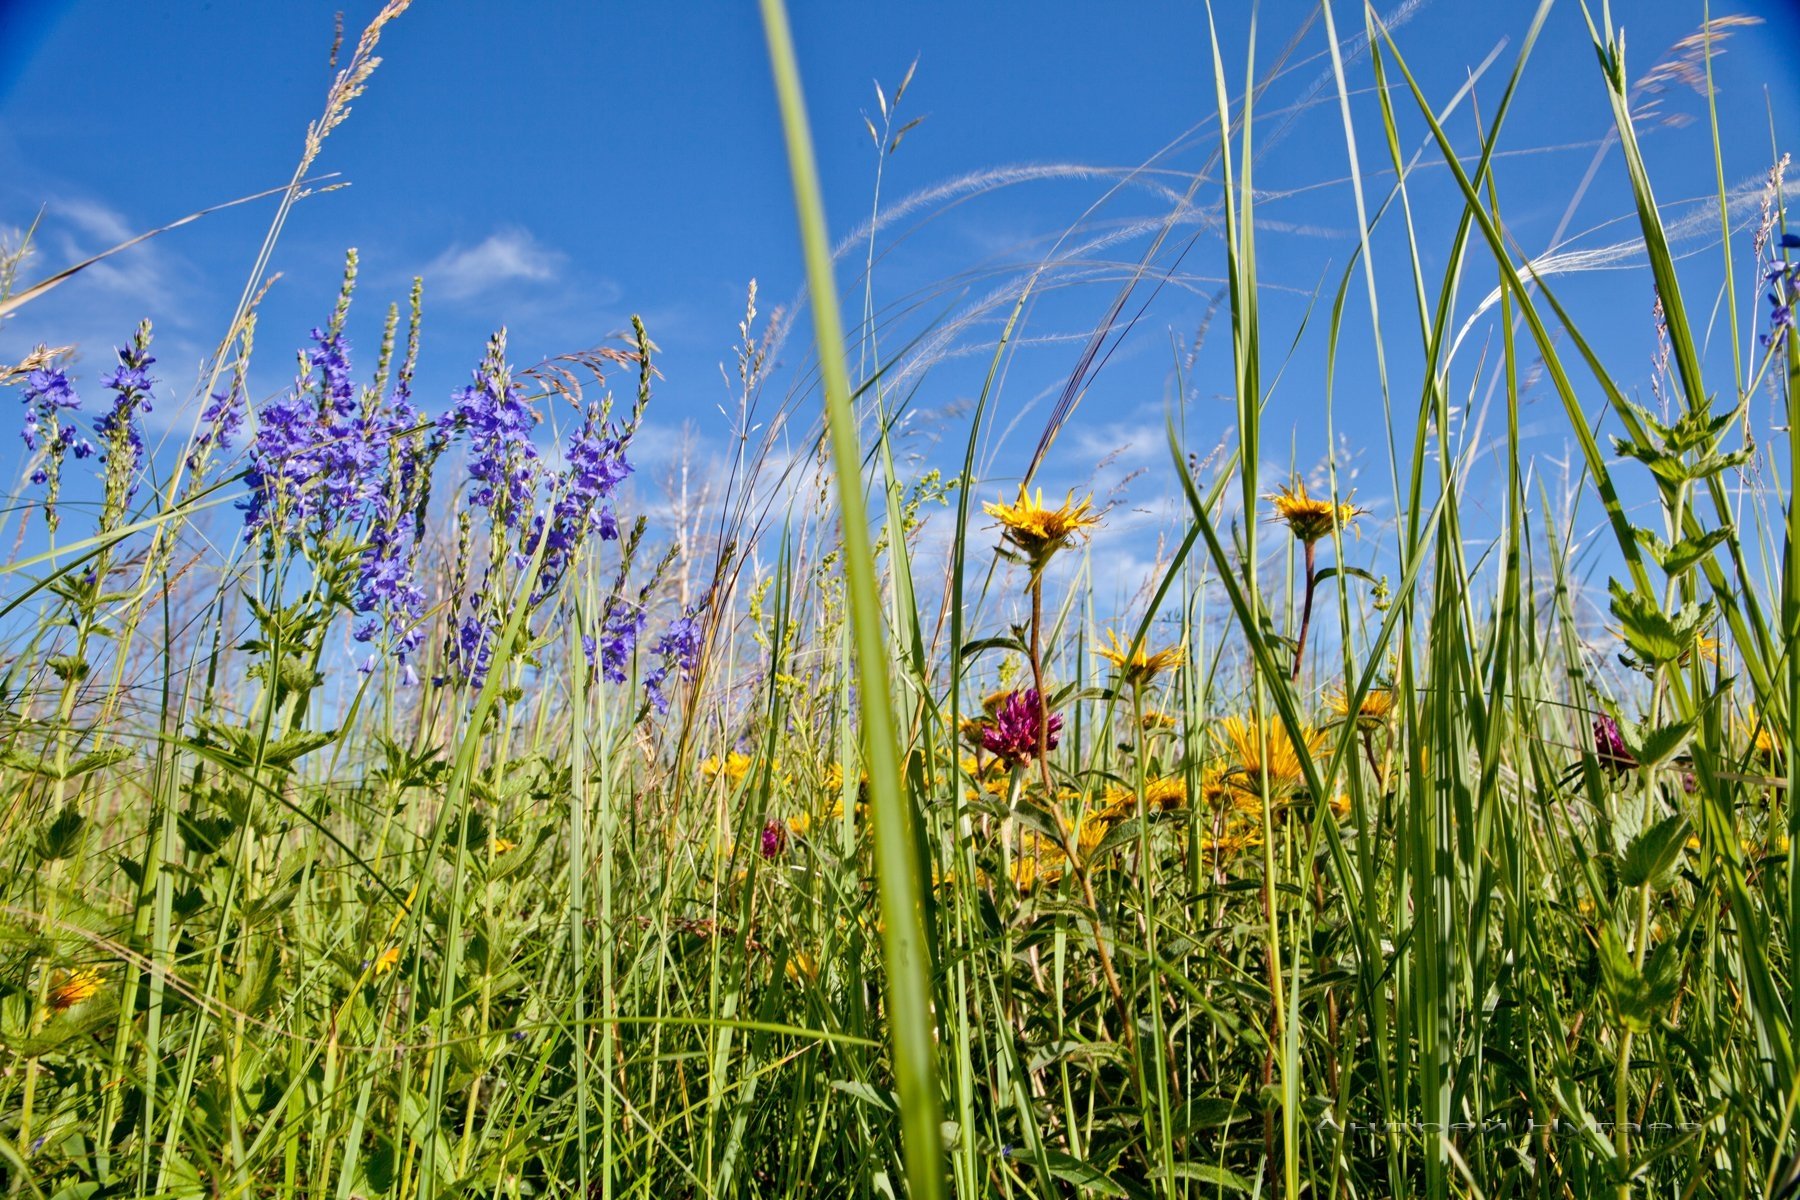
column 1639, row 998
column 1654, row 852
column 1217, row 1176
column 1086, row 1176
column 61, row 837
column 1654, row 747
column 1680, row 558
column 1656, row 637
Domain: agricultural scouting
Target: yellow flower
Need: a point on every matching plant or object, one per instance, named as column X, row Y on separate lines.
column 73, row 987
column 1039, row 531
column 1215, row 788
column 734, row 767
column 503, row 845
column 804, row 824
column 1141, row 666
column 1157, row 721
column 1760, row 736
column 1040, row 860
column 390, row 958
column 1281, row 770
column 1160, row 795
column 1372, row 713
column 993, row 777
column 1708, row 648
column 801, row 965
column 1238, row 835
column 1308, row 517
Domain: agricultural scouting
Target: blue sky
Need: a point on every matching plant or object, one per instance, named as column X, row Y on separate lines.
column 557, row 167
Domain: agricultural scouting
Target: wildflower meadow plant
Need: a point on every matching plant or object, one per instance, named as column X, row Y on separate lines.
column 456, row 816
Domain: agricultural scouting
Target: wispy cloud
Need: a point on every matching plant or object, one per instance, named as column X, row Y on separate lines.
column 504, row 256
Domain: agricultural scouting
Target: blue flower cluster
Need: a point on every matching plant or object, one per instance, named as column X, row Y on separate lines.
column 679, row 649
column 1783, row 278
column 596, row 467
column 313, row 457
column 121, row 440
column 329, row 463
column 49, row 391
column 222, row 418
column 335, row 470
column 493, row 415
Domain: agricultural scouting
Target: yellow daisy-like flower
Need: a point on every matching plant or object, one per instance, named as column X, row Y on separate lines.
column 1160, row 795
column 1376, row 708
column 390, row 958
column 1707, row 647
column 1238, row 835
column 503, row 845
column 1141, row 666
column 1760, row 737
column 801, row 965
column 1039, row 861
column 1309, row 517
column 73, row 987
column 1245, row 741
column 734, row 767
column 1039, row 531
column 1156, row 722
column 993, row 776
column 805, row 823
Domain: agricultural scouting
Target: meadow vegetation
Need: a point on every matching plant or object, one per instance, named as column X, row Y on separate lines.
column 793, row 853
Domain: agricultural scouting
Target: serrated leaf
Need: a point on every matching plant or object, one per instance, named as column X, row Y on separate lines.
column 1653, row 853
column 61, row 837
column 1639, row 998
column 1654, row 636
column 1654, row 747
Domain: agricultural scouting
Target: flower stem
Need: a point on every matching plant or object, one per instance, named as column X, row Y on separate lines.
column 1306, row 607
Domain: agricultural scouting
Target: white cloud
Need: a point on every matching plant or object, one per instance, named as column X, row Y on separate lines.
column 504, row 256
column 74, row 229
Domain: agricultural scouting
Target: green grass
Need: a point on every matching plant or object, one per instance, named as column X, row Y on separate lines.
column 1395, row 921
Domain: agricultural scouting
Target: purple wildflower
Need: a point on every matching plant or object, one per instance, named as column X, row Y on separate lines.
column 503, row 462
column 1012, row 733
column 1783, row 279
column 387, row 592
column 1609, row 745
column 48, row 392
column 313, row 462
column 121, row 441
column 678, row 648
column 223, row 417
column 470, row 649
column 774, row 839
column 596, row 466
column 619, row 633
